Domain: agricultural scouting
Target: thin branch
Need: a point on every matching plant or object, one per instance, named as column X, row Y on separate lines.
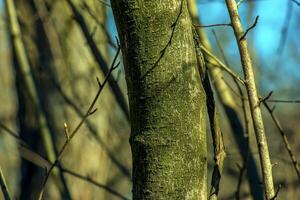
column 220, row 47
column 253, row 99
column 96, row 19
column 282, row 101
column 4, row 186
column 26, row 151
column 30, row 155
column 234, row 75
column 250, row 28
column 163, row 51
column 211, row 25
column 222, row 65
column 264, row 100
column 88, row 113
column 92, row 181
column 92, row 129
column 10, row 132
column 116, row 90
column 285, row 139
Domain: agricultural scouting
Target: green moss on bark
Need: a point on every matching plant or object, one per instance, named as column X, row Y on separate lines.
column 167, row 101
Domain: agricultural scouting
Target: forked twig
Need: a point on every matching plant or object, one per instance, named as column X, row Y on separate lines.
column 251, row 27
column 250, row 84
column 284, row 138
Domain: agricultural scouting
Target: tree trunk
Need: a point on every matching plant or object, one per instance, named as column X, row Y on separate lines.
column 231, row 110
column 167, row 100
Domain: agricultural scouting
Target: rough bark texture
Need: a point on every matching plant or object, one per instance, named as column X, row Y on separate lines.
column 230, row 107
column 167, row 100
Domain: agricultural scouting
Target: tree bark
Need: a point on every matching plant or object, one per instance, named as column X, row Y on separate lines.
column 231, row 109
column 167, row 100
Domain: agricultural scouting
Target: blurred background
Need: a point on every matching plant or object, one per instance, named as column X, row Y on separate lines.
column 69, row 43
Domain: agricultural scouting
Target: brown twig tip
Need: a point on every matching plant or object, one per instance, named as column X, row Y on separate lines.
column 211, row 25
column 66, row 131
column 251, row 27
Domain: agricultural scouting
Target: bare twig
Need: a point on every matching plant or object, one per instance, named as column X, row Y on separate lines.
column 211, row 25
column 4, row 186
column 89, row 112
column 285, row 139
column 220, row 47
column 10, row 132
column 117, row 92
column 34, row 157
column 92, row 181
column 96, row 19
column 228, row 101
column 222, row 65
column 163, row 51
column 234, row 75
column 253, row 100
column 283, row 101
column 265, row 101
column 251, row 27
column 93, row 130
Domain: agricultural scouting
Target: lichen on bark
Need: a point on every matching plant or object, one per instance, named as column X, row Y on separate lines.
column 167, row 100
